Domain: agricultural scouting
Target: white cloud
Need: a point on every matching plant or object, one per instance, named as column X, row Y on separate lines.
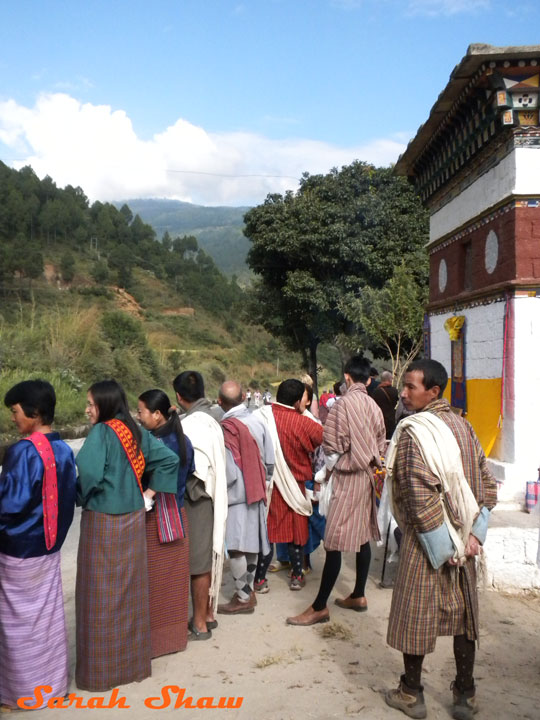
column 96, row 147
column 447, row 7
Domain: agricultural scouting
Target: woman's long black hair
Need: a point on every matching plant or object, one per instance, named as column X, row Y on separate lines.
column 111, row 401
column 158, row 401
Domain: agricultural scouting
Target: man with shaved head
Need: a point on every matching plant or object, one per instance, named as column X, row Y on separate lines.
column 249, row 466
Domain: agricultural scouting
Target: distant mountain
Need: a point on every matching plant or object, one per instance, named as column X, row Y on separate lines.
column 218, row 229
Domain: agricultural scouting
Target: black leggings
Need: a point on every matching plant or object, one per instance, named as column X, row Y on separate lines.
column 296, row 555
column 464, row 651
column 330, row 573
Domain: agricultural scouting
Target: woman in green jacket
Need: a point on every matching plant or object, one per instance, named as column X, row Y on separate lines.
column 112, row 608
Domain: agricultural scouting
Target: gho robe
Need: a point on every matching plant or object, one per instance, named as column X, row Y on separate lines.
column 428, row 602
column 355, row 430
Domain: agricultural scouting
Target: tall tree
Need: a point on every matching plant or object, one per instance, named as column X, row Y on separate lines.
column 337, row 234
column 390, row 319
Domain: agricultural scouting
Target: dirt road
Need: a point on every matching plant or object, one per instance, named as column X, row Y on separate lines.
column 288, row 673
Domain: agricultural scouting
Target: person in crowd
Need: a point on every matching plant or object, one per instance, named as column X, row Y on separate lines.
column 386, row 396
column 312, row 406
column 168, row 552
column 37, row 501
column 336, row 388
column 295, row 438
column 257, row 398
column 111, row 595
column 205, row 501
column 435, row 454
column 316, row 521
column 372, row 383
column 354, row 439
column 250, row 464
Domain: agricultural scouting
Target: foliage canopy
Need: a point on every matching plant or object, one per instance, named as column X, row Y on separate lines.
column 318, row 250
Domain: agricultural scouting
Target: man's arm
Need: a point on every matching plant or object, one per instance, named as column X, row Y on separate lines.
column 487, row 497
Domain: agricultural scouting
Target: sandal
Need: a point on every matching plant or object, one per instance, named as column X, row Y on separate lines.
column 277, row 565
column 195, row 634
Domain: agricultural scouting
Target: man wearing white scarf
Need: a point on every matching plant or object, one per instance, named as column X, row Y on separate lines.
column 442, row 493
column 205, row 502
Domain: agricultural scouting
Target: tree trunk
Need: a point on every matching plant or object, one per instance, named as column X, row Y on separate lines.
column 312, row 364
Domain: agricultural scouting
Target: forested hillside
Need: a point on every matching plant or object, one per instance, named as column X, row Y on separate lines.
column 87, row 291
column 217, row 229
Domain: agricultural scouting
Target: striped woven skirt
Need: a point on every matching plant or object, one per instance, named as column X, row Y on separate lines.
column 33, row 638
column 284, row 525
column 111, row 600
column 168, row 577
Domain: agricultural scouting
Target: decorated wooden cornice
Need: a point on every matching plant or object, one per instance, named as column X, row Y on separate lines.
column 492, row 95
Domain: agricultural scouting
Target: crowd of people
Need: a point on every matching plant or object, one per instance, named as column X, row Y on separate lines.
column 166, row 500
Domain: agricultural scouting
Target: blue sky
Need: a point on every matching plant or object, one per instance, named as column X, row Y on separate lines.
column 223, row 101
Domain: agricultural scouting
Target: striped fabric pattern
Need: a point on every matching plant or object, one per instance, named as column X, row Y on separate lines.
column 283, row 524
column 299, row 436
column 169, row 520
column 168, row 579
column 33, row 638
column 355, row 430
column 428, row 602
column 111, row 598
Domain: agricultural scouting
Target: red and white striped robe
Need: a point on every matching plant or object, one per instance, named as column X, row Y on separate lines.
column 355, row 430
column 298, row 436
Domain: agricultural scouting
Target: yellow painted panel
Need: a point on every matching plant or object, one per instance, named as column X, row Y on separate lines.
column 483, row 409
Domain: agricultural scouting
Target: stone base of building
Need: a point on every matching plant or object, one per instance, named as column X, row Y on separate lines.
column 510, row 551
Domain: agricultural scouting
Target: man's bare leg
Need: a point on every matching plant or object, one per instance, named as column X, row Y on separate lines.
column 200, row 585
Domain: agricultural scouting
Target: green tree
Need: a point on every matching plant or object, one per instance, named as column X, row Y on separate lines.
column 390, row 317
column 166, row 241
column 30, row 263
column 121, row 260
column 67, row 266
column 100, row 272
column 337, row 234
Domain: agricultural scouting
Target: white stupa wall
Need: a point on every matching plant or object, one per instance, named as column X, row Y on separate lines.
column 516, row 174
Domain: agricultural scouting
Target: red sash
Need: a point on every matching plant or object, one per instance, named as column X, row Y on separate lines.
column 49, row 487
column 135, row 459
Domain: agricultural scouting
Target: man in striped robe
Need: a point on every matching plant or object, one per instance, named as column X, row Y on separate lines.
column 433, row 595
column 353, row 442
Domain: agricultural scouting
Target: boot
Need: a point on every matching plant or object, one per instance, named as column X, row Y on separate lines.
column 409, row 701
column 464, row 703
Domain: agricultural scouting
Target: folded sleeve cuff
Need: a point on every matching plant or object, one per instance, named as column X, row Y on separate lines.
column 480, row 525
column 331, row 460
column 437, row 545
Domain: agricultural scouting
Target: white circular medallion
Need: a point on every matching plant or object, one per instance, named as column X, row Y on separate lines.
column 443, row 275
column 491, row 254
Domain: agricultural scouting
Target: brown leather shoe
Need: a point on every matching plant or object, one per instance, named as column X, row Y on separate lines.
column 350, row 603
column 237, row 607
column 310, row 617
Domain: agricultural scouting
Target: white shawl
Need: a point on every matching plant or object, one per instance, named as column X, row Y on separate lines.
column 209, row 454
column 442, row 456
column 283, row 477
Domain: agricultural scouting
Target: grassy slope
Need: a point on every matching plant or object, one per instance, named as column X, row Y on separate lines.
column 55, row 331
